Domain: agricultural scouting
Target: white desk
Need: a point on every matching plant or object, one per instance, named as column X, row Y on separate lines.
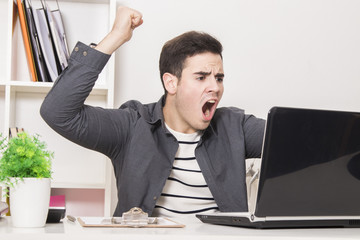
column 194, row 230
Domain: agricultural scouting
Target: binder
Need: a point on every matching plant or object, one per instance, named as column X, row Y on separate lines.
column 50, row 25
column 13, row 131
column 57, row 209
column 4, row 208
column 26, row 39
column 44, row 38
column 15, row 16
column 45, row 41
column 59, row 21
column 58, row 35
column 43, row 75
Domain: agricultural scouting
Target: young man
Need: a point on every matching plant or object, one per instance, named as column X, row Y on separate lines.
column 180, row 155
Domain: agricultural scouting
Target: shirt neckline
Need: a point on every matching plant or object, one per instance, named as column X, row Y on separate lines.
column 185, row 136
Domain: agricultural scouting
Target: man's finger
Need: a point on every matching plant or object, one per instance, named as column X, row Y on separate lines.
column 136, row 21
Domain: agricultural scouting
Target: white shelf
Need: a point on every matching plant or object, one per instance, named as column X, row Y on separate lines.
column 77, row 185
column 44, row 87
column 20, row 99
column 85, row 1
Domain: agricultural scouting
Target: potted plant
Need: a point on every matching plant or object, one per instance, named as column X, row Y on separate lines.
column 25, row 167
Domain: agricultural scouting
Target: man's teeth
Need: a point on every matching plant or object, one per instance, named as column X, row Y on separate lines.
column 211, row 101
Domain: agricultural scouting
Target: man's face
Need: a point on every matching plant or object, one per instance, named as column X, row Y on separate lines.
column 199, row 91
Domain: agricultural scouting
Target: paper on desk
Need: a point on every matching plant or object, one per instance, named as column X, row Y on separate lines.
column 107, row 222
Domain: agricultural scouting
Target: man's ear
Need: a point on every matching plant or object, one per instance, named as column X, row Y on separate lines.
column 170, row 82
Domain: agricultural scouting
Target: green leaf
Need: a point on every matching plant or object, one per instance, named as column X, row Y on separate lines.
column 24, row 156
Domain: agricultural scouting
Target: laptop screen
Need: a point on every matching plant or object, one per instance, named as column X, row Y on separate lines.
column 310, row 164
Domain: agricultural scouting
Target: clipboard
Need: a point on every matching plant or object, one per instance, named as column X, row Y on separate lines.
column 115, row 222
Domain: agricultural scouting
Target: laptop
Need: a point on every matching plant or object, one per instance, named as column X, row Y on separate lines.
column 309, row 174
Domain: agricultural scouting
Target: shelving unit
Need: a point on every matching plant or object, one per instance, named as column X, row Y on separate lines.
column 74, row 167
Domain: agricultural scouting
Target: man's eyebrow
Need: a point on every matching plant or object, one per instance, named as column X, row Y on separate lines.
column 202, row 73
column 208, row 73
column 220, row 75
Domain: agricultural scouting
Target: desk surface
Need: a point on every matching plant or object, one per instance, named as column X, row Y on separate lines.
column 194, row 230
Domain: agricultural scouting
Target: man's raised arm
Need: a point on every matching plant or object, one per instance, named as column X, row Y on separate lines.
column 63, row 109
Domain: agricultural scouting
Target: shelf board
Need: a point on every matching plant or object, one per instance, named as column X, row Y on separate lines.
column 77, row 185
column 85, row 1
column 22, row 86
column 44, row 87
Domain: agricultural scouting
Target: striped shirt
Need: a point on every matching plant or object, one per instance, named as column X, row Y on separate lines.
column 185, row 190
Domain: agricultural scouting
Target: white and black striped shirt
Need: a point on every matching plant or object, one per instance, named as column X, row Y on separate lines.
column 185, row 190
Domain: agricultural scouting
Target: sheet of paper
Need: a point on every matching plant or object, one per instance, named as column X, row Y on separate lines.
column 160, row 222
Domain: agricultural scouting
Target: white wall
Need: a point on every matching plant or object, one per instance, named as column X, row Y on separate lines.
column 303, row 53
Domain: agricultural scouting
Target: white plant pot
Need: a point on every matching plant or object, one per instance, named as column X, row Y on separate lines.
column 29, row 202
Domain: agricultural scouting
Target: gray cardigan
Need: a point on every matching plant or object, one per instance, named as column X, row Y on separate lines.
column 140, row 147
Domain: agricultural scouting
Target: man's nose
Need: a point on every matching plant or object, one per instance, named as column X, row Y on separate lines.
column 213, row 84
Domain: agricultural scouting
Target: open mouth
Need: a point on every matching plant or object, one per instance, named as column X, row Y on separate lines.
column 208, row 109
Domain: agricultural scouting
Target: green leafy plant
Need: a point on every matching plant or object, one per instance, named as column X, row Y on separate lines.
column 24, row 156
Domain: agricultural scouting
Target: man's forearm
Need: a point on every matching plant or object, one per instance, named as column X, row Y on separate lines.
column 110, row 44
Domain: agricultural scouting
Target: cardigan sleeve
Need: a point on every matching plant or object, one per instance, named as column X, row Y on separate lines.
column 65, row 111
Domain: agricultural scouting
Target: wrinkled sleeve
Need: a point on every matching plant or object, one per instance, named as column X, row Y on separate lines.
column 254, row 134
column 63, row 108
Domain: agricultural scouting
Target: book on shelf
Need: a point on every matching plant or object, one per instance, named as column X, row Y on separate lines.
column 57, row 209
column 26, row 40
column 44, row 39
column 58, row 36
column 46, row 43
column 43, row 75
column 4, row 208
column 13, row 131
column 14, row 16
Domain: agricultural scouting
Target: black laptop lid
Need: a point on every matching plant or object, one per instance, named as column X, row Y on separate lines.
column 310, row 164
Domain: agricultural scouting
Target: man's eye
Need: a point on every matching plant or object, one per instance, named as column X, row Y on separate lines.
column 220, row 79
column 200, row 78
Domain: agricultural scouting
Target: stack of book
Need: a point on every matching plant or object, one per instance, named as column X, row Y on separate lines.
column 57, row 209
column 44, row 40
column 4, row 208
